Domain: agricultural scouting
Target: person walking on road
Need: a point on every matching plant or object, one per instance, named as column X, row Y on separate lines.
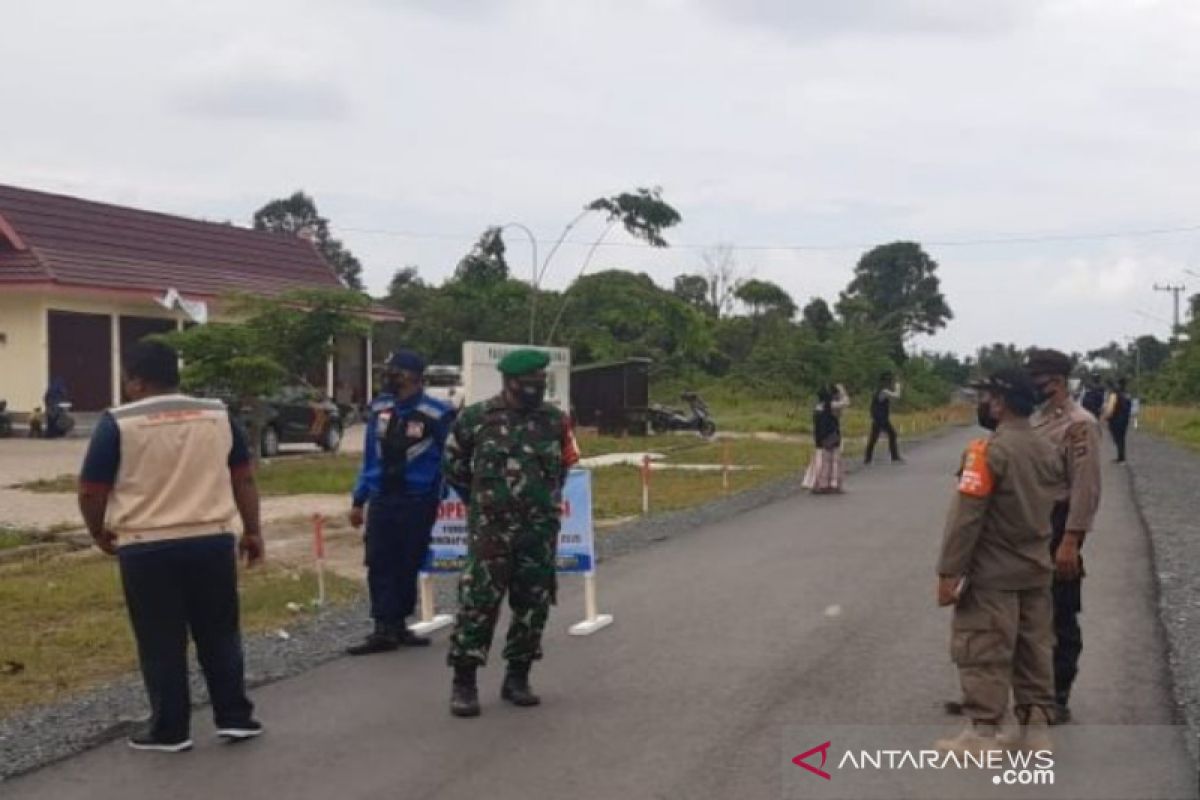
column 995, row 569
column 826, row 473
column 1092, row 398
column 400, row 486
column 881, row 418
column 1118, row 412
column 508, row 459
column 162, row 483
column 1075, row 433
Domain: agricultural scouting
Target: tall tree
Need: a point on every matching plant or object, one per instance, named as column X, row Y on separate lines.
column 693, row 290
column 764, row 297
column 818, row 318
column 643, row 213
column 896, row 289
column 485, row 264
column 720, row 270
column 297, row 215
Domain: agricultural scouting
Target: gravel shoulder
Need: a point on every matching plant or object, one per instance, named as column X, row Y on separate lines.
column 1165, row 477
column 43, row 735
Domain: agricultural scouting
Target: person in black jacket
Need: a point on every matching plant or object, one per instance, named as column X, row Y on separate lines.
column 1118, row 411
column 881, row 418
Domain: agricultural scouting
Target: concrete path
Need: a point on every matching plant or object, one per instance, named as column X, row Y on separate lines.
column 812, row 612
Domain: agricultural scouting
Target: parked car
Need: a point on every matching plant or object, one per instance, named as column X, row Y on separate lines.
column 295, row 414
column 445, row 383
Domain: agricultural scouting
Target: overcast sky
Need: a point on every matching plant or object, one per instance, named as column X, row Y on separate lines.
column 821, row 126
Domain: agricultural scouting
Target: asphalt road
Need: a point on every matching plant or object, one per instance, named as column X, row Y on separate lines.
column 814, row 612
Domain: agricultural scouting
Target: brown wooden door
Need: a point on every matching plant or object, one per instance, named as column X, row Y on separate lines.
column 81, row 355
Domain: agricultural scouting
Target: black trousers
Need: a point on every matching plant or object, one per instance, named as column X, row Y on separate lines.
column 399, row 530
column 1068, row 602
column 172, row 588
column 880, row 427
column 1119, row 431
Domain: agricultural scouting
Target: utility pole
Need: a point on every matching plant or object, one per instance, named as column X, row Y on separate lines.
column 1177, row 291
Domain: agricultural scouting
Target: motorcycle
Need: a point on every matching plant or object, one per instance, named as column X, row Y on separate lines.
column 6, row 423
column 59, row 421
column 663, row 418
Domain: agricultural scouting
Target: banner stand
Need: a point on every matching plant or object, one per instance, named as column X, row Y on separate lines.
column 429, row 621
column 594, row 621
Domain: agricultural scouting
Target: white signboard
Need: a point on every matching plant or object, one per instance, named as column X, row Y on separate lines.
column 481, row 378
column 576, row 540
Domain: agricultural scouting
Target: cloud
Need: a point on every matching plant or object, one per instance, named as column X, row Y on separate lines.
column 254, row 80
column 1087, row 280
column 819, row 18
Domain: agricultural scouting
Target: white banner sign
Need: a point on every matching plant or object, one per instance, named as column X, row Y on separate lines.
column 576, row 539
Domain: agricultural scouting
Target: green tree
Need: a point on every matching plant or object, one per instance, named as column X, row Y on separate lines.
column 818, row 318
column 297, row 215
column 643, row 213
column 764, row 297
column 629, row 315
column 485, row 264
column 693, row 290
column 278, row 339
column 896, row 289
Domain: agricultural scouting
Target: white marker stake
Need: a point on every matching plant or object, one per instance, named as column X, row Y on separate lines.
column 645, row 484
column 725, row 466
column 594, row 620
column 430, row 621
column 319, row 553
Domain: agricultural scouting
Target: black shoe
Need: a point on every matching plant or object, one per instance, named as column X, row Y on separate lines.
column 145, row 740
column 380, row 641
column 1061, row 715
column 241, row 732
column 464, row 694
column 516, row 687
column 953, row 708
column 407, row 638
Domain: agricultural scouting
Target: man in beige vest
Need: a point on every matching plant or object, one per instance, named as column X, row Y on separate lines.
column 163, row 483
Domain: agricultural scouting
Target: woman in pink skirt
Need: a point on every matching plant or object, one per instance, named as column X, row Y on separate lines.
column 826, row 474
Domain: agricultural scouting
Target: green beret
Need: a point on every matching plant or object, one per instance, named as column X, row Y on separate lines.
column 523, row 362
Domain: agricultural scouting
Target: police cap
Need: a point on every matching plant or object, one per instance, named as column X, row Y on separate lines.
column 406, row 360
column 1015, row 386
column 1048, row 362
column 523, row 362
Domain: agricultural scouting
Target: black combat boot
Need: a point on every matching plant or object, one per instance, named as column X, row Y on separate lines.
column 1062, row 713
column 407, row 638
column 464, row 694
column 383, row 639
column 516, row 685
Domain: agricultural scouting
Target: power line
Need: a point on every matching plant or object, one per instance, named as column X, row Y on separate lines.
column 995, row 240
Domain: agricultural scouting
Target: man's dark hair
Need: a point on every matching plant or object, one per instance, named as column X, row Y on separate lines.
column 154, row 362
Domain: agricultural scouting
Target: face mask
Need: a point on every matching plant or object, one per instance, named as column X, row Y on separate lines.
column 986, row 420
column 531, row 394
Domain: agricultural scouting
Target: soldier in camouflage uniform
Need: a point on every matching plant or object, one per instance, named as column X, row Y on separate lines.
column 508, row 458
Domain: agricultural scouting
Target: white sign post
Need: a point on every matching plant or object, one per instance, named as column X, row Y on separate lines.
column 482, row 381
column 576, row 548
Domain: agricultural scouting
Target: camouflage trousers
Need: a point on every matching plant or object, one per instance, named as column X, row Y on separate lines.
column 515, row 558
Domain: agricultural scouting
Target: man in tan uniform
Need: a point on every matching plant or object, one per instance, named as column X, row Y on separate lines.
column 995, row 568
column 1075, row 433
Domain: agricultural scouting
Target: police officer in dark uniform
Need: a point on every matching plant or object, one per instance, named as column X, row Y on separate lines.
column 1075, row 433
column 400, row 484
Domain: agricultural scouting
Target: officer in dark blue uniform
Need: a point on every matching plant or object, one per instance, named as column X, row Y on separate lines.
column 401, row 481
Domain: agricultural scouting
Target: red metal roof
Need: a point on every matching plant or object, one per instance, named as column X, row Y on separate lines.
column 74, row 242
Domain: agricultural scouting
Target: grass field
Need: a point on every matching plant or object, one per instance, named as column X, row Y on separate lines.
column 63, row 625
column 1178, row 423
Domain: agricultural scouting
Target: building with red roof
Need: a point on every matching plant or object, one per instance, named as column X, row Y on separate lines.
column 80, row 281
